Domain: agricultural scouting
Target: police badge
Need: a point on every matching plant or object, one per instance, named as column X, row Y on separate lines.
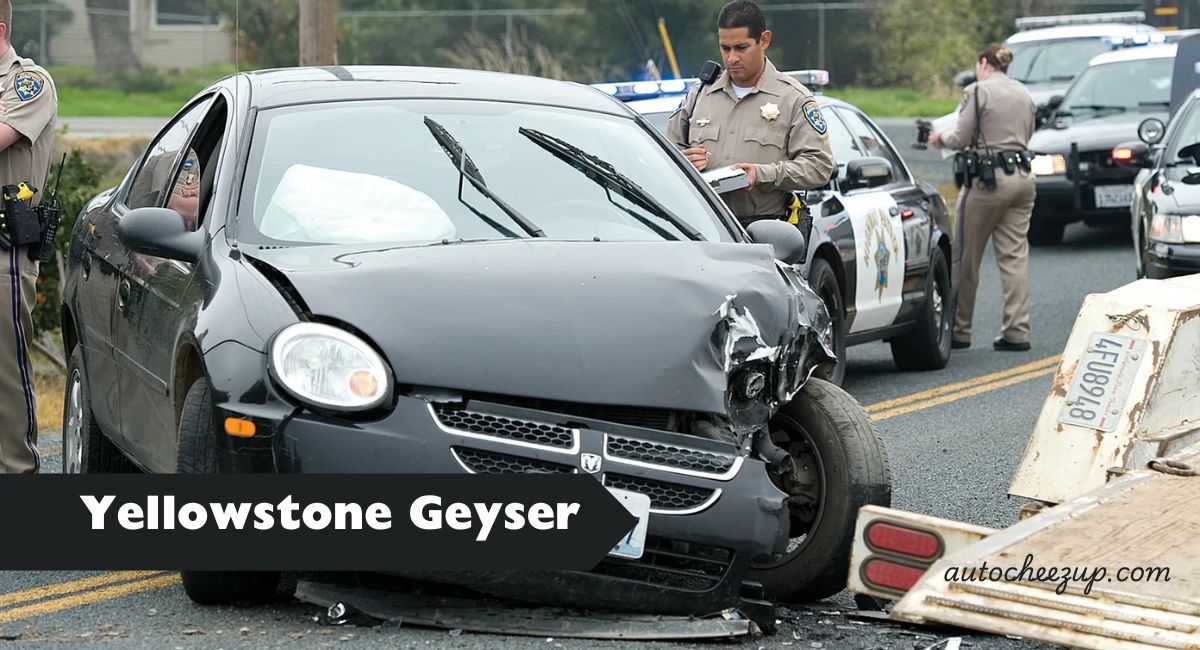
column 28, row 85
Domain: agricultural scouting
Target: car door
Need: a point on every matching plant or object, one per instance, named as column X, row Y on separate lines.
column 147, row 290
column 914, row 208
column 99, row 256
column 881, row 248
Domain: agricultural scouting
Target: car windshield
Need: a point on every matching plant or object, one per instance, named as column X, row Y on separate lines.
column 1050, row 61
column 1123, row 86
column 374, row 172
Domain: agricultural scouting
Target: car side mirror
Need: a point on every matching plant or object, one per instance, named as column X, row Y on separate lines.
column 964, row 78
column 786, row 239
column 1132, row 154
column 871, row 171
column 1151, row 130
column 160, row 232
column 1053, row 103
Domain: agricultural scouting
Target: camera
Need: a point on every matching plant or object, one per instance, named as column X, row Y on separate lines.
column 924, row 128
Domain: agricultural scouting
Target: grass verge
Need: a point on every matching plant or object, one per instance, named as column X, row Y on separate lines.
column 147, row 94
column 897, row 102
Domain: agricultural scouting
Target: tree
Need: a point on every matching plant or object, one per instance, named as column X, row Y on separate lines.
column 108, row 23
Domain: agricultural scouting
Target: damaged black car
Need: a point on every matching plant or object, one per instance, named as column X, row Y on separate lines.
column 421, row 270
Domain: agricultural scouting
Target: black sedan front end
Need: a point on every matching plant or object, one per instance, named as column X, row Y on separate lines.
column 1077, row 178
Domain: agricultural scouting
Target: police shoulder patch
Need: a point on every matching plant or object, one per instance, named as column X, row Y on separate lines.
column 812, row 113
column 28, row 85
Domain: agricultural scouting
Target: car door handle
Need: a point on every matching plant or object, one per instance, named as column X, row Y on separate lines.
column 123, row 294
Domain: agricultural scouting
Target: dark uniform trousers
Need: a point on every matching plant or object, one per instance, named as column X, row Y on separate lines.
column 18, row 426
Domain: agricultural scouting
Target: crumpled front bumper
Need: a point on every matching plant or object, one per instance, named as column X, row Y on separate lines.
column 712, row 508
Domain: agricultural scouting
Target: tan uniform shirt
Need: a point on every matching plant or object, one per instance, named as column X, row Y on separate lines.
column 778, row 127
column 1006, row 112
column 31, row 108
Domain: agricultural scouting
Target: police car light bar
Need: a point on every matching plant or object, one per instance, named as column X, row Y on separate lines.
column 630, row 90
column 810, row 77
column 1033, row 22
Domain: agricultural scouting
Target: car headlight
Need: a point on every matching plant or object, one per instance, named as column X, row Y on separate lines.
column 1175, row 228
column 1047, row 165
column 329, row 368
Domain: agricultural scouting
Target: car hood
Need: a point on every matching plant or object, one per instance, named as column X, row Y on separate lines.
column 1179, row 198
column 649, row 324
column 1091, row 135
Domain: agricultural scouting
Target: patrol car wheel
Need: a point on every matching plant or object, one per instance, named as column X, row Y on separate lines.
column 85, row 448
column 839, row 466
column 197, row 454
column 824, row 281
column 1046, row 232
column 927, row 345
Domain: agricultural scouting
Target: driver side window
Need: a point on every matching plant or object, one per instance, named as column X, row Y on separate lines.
column 149, row 187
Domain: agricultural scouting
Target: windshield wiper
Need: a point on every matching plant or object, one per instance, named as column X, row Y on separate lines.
column 468, row 170
column 603, row 174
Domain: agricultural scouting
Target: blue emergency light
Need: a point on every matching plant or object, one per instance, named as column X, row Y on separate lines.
column 631, row 90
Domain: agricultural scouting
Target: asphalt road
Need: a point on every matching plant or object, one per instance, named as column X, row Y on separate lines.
column 951, row 457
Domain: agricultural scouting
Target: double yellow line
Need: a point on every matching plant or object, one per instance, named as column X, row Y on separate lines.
column 963, row 389
column 40, row 601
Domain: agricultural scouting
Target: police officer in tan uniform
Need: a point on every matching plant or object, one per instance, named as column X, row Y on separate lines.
column 1002, row 211
column 756, row 119
column 27, row 120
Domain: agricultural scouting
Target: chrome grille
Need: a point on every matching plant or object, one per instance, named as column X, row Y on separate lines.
column 657, row 453
column 663, row 495
column 489, row 462
column 486, row 424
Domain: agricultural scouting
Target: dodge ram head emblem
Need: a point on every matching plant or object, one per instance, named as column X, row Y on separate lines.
column 590, row 463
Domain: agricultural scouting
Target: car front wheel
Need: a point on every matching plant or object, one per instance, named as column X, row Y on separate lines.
column 839, row 466
column 197, row 454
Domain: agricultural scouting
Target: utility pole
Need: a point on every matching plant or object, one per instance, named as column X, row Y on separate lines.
column 318, row 32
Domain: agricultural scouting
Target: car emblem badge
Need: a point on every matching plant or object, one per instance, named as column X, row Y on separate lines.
column 590, row 463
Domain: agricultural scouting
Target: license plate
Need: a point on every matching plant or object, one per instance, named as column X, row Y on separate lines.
column 633, row 543
column 1102, row 381
column 1114, row 196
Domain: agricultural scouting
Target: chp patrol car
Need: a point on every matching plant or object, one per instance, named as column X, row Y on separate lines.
column 879, row 251
column 1050, row 51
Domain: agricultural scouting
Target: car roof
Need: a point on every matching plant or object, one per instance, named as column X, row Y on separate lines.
column 1166, row 51
column 286, row 86
column 1097, row 30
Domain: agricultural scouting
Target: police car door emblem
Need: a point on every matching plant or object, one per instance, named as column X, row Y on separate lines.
column 881, row 241
column 28, row 85
column 590, row 463
column 812, row 113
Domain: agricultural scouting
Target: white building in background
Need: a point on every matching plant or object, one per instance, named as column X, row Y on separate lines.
column 166, row 34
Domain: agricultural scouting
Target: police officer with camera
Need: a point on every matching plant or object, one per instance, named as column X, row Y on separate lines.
column 996, row 194
column 28, row 111
column 755, row 119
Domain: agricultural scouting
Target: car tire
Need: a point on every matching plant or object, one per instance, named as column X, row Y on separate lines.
column 824, row 281
column 197, row 454
column 1046, row 232
column 85, row 448
column 829, row 435
column 927, row 345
